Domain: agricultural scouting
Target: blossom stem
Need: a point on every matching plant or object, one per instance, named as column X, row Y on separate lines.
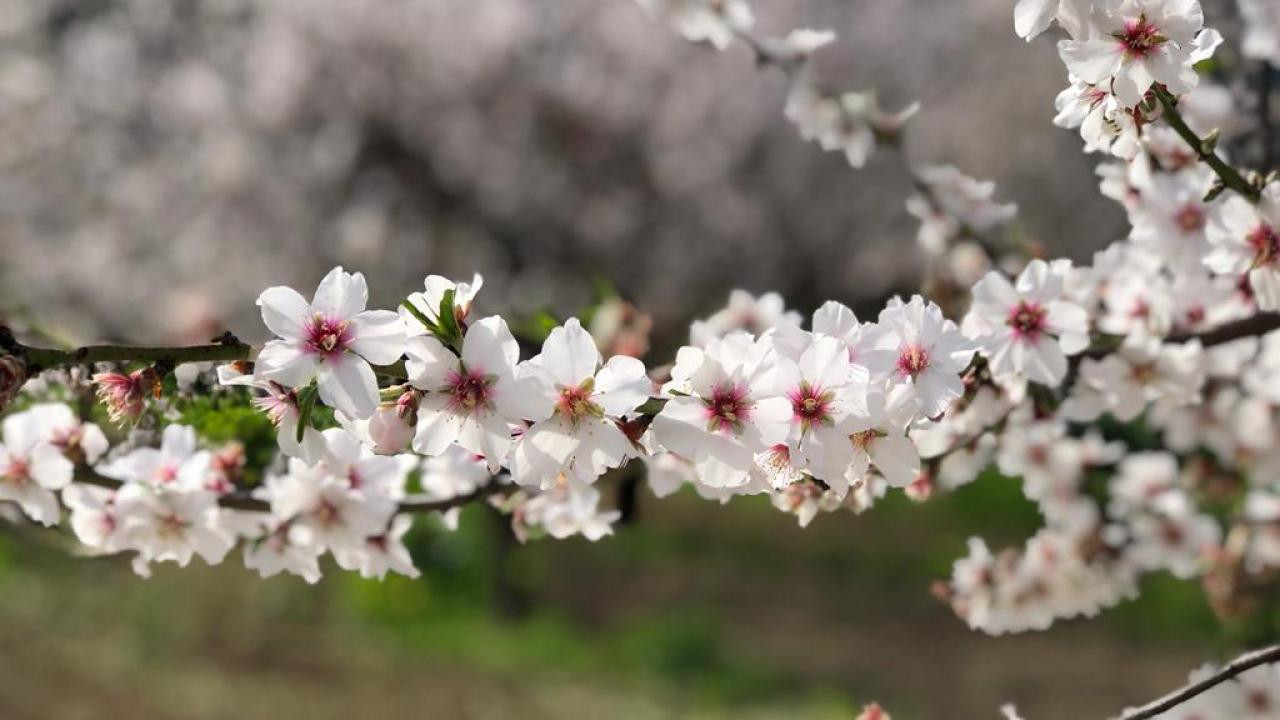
column 241, row 500
column 1265, row 656
column 225, row 348
column 1203, row 149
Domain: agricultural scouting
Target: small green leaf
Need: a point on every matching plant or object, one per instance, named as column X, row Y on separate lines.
column 414, row 311
column 306, row 403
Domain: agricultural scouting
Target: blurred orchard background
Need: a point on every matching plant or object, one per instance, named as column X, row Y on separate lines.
column 162, row 161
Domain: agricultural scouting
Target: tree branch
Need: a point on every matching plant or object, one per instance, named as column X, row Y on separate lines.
column 1244, row 663
column 1204, row 148
column 241, row 500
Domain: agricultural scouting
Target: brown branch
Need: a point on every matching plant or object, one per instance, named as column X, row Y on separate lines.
column 242, row 500
column 1244, row 663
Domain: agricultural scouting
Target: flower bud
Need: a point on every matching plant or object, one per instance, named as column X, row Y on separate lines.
column 13, row 374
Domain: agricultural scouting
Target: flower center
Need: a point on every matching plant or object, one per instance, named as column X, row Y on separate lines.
column 862, row 440
column 469, row 390
column 1189, row 218
column 811, row 405
column 1265, row 242
column 18, row 472
column 912, row 360
column 1140, row 37
column 1027, row 320
column 171, row 526
column 727, row 408
column 166, row 474
column 327, row 335
column 575, row 403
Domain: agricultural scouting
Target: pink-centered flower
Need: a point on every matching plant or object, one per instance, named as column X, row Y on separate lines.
column 1134, row 44
column 125, row 395
column 926, row 350
column 472, row 400
column 332, row 339
column 724, row 407
column 581, row 401
column 1245, row 241
column 1026, row 329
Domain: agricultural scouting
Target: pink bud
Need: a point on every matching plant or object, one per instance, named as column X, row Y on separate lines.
column 389, row 430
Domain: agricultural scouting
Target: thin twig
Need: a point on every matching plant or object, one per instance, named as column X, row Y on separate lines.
column 1204, row 149
column 1244, row 663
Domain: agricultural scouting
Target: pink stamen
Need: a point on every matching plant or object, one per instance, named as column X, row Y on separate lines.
column 469, row 391
column 327, row 336
column 1027, row 320
column 1140, row 38
column 912, row 360
column 1265, row 242
column 727, row 408
column 811, row 405
column 1190, row 218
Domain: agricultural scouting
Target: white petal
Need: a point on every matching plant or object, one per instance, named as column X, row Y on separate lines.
column 489, row 347
column 285, row 363
column 284, row 311
column 569, row 354
column 341, row 294
column 379, row 336
column 347, row 383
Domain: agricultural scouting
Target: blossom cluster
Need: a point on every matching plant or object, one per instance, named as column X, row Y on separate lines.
column 1144, row 435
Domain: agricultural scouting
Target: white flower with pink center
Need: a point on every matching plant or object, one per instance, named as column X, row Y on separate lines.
column 168, row 523
column 332, row 339
column 381, row 554
column 723, row 408
column 927, row 352
column 828, row 399
column 1133, row 44
column 1026, row 330
column 31, row 468
column 343, row 454
column 324, row 510
column 878, row 438
column 1105, row 125
column 1170, row 218
column 176, row 464
column 473, row 400
column 1246, row 241
column 581, row 403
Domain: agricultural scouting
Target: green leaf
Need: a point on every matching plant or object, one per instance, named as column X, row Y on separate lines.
column 414, row 311
column 449, row 332
column 306, row 403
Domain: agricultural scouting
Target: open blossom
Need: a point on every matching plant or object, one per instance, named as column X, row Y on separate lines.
column 1105, row 124
column 325, row 510
column 1246, row 241
column 381, row 553
column 1132, row 44
column 927, row 350
column 568, row 508
column 1143, row 371
column 172, row 523
column 1027, row 330
column 581, row 400
column 828, row 404
column 879, row 440
column 31, row 468
column 723, row 408
column 1171, row 216
column 472, row 400
column 277, row 551
column 332, row 339
column 713, row 21
column 279, row 403
column 177, row 463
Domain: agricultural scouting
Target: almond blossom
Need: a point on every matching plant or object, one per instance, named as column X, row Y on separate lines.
column 723, row 407
column 1132, row 44
column 474, row 399
column 927, row 350
column 31, row 467
column 1245, row 240
column 332, row 339
column 582, row 401
column 1027, row 330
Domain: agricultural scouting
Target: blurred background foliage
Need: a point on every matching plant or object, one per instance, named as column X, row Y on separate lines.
column 161, row 161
